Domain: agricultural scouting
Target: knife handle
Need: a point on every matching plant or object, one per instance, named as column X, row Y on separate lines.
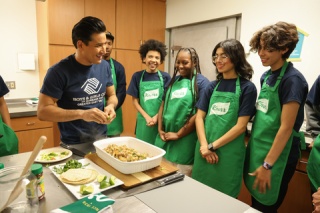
column 171, row 179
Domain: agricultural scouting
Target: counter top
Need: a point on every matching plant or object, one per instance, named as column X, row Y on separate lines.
column 19, row 108
column 184, row 196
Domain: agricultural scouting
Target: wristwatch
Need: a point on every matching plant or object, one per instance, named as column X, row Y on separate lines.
column 211, row 148
column 267, row 166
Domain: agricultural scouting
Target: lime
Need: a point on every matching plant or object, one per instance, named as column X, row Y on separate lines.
column 104, row 184
column 101, row 178
column 112, row 180
column 85, row 190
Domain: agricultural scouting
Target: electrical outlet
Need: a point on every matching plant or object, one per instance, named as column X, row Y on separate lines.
column 11, row 84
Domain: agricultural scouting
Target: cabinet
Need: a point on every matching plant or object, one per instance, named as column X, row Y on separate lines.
column 139, row 20
column 29, row 130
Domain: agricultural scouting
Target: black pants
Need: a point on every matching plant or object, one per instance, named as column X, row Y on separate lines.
column 287, row 175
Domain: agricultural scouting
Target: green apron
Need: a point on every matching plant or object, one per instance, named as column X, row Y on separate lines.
column 9, row 141
column 116, row 126
column 222, row 115
column 266, row 124
column 150, row 93
column 177, row 107
column 313, row 166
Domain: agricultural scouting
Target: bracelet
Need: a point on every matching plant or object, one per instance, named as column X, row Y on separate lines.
column 267, row 166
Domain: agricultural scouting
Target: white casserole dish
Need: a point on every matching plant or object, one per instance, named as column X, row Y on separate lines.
column 155, row 154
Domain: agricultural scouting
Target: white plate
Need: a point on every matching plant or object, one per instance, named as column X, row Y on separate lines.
column 55, row 149
column 75, row 189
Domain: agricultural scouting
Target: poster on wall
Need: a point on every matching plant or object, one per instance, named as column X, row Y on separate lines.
column 296, row 53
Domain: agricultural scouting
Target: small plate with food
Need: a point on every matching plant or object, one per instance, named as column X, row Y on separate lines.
column 52, row 155
column 83, row 177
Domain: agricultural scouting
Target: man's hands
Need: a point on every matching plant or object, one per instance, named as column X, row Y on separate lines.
column 98, row 116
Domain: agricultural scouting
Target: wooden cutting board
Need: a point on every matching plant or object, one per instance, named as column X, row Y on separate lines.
column 131, row 180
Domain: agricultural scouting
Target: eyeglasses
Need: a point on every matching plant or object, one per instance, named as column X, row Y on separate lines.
column 216, row 57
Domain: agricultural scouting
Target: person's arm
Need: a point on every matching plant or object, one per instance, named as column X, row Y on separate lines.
column 160, row 124
column 49, row 111
column 137, row 105
column 233, row 133
column 313, row 121
column 288, row 117
column 4, row 112
column 316, row 201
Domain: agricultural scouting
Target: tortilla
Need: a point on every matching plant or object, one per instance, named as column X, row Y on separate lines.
column 79, row 176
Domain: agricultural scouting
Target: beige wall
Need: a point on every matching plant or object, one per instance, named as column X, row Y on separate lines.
column 18, row 35
column 256, row 14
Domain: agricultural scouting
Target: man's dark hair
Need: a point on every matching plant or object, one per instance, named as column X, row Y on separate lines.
column 110, row 36
column 85, row 28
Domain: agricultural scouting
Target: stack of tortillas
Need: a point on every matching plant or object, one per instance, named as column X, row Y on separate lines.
column 79, row 176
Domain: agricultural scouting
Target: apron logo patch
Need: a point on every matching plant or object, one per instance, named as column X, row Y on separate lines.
column 151, row 94
column 180, row 93
column 262, row 105
column 219, row 108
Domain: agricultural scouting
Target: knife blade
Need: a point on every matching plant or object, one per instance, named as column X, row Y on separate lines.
column 154, row 184
column 73, row 150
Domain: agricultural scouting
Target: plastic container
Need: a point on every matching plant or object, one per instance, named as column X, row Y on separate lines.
column 37, row 170
column 27, row 201
column 154, row 159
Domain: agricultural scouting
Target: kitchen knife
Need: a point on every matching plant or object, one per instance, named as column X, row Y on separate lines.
column 73, row 150
column 154, row 184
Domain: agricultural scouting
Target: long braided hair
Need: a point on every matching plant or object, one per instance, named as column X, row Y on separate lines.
column 193, row 73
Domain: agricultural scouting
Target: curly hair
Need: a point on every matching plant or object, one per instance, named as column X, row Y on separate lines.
column 235, row 51
column 153, row 45
column 278, row 36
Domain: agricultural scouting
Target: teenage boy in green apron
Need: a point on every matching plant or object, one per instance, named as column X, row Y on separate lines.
column 273, row 148
column 177, row 135
column 224, row 111
column 115, row 128
column 147, row 87
column 312, row 108
column 8, row 138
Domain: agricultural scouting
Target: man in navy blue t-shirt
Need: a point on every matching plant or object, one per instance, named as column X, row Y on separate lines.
column 75, row 88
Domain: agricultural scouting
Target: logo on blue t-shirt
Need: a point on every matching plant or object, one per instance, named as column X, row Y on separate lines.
column 91, row 86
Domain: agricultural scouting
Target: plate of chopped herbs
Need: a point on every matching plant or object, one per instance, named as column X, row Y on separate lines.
column 53, row 155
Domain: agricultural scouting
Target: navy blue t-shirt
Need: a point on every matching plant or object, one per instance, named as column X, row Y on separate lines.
column 133, row 88
column 121, row 82
column 78, row 87
column 3, row 88
column 247, row 98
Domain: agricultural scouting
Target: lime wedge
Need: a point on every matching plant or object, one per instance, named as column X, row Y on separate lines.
column 101, row 178
column 85, row 190
column 112, row 180
column 104, row 184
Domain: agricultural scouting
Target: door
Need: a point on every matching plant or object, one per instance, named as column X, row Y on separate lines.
column 202, row 37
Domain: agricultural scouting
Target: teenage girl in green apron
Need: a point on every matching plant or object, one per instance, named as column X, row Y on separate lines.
column 177, row 135
column 223, row 113
column 273, row 150
column 146, row 88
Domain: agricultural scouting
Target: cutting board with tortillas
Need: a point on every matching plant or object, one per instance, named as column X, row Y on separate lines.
column 131, row 180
